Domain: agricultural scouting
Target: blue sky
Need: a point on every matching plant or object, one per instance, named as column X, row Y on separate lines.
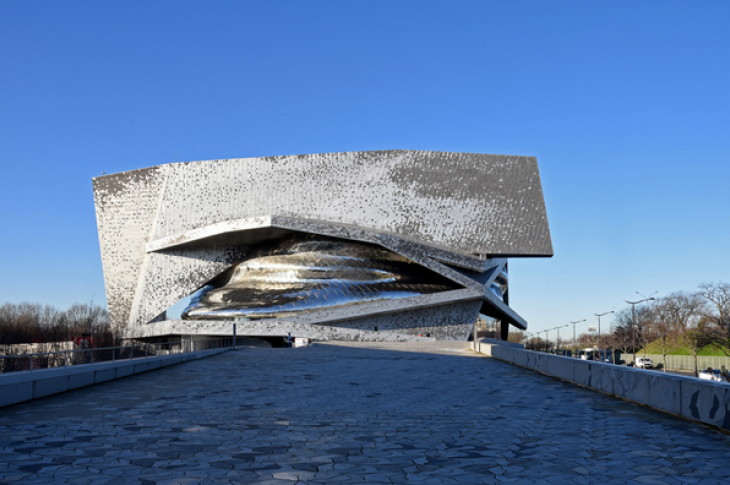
column 626, row 106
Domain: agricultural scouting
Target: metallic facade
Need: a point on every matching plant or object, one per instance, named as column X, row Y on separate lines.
column 169, row 231
column 305, row 273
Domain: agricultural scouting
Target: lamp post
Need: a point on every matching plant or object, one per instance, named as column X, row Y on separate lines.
column 599, row 315
column 633, row 319
column 558, row 334
column 556, row 344
column 574, row 324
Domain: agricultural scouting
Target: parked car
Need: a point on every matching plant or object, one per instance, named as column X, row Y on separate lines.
column 644, row 363
column 708, row 376
column 588, row 354
column 598, row 355
column 711, row 375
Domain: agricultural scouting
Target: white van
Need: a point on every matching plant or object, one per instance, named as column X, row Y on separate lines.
column 598, row 355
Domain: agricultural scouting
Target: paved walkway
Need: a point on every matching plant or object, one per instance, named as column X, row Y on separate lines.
column 367, row 413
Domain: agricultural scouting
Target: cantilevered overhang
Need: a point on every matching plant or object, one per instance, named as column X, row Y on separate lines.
column 257, row 230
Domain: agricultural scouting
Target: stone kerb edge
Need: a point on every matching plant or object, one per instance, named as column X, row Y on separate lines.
column 705, row 402
column 25, row 386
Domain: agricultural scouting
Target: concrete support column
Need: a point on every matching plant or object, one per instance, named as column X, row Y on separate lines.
column 504, row 330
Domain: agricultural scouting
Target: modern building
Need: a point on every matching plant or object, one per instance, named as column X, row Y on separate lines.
column 384, row 245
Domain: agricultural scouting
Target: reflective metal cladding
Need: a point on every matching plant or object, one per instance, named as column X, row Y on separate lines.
column 305, row 273
column 453, row 218
column 500, row 284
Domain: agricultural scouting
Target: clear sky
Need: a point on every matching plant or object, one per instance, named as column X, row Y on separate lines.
column 626, row 106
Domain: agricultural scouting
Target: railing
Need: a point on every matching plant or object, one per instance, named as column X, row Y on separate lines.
column 64, row 358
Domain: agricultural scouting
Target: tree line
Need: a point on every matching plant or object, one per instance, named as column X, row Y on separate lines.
column 688, row 320
column 25, row 323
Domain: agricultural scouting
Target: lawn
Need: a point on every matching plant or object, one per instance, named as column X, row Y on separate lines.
column 672, row 349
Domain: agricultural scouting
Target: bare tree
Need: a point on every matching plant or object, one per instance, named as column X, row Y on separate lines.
column 685, row 308
column 717, row 296
column 533, row 343
column 516, row 336
column 693, row 339
column 536, row 343
column 689, row 328
column 623, row 333
column 643, row 326
column 585, row 340
column 661, row 323
column 31, row 322
column 23, row 322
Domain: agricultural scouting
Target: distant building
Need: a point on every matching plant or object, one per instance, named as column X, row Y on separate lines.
column 383, row 245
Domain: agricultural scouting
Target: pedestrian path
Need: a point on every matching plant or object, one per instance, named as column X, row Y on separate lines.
column 351, row 413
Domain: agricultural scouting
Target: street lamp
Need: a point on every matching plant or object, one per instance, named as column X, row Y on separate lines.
column 556, row 345
column 633, row 318
column 558, row 334
column 574, row 324
column 599, row 315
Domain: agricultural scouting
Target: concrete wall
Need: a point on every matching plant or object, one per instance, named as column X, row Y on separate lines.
column 27, row 385
column 695, row 399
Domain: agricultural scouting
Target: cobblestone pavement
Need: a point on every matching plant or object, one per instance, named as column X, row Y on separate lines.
column 367, row 413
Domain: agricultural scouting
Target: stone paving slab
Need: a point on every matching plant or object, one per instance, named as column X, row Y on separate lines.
column 382, row 413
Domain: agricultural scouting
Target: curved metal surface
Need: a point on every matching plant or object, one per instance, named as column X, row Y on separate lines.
column 500, row 285
column 305, row 273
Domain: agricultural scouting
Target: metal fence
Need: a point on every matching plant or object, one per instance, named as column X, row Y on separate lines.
column 62, row 358
column 683, row 362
